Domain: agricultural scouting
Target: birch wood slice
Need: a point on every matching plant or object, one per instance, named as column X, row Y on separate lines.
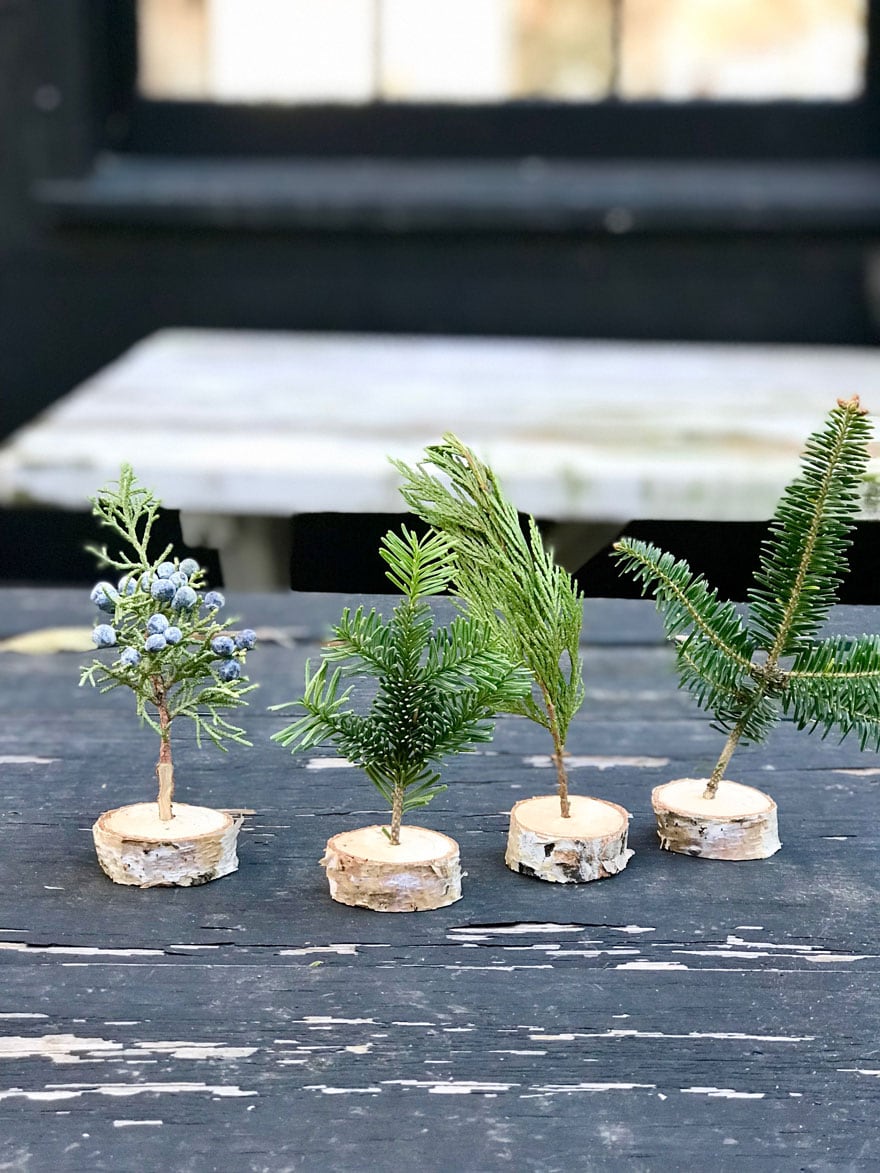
column 364, row 869
column 135, row 846
column 738, row 823
column 589, row 845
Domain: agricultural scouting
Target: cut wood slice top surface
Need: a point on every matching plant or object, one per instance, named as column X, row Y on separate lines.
column 417, row 845
column 141, row 820
column 591, row 818
column 732, row 800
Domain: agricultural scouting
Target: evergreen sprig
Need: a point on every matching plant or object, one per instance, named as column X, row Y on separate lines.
column 509, row 581
column 749, row 671
column 437, row 690
column 130, row 510
column 170, row 648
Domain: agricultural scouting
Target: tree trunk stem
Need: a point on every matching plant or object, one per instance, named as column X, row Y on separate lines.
column 721, row 765
column 557, row 758
column 562, row 785
column 165, row 767
column 396, row 815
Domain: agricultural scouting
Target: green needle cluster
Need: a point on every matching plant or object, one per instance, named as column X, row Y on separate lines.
column 749, row 672
column 509, row 581
column 436, row 690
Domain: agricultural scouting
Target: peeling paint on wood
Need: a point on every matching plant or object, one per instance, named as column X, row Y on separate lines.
column 725, row 1093
column 71, row 1049
column 575, row 761
column 73, row 1091
column 77, row 950
column 552, row 1089
column 13, row 759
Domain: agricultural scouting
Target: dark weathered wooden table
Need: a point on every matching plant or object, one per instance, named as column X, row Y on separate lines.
column 686, row 1014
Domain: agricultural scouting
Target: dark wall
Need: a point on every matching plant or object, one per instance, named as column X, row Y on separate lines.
column 84, row 275
column 74, row 298
column 77, row 288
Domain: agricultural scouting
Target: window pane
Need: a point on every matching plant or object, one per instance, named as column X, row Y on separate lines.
column 563, row 49
column 453, row 50
column 173, row 48
column 497, row 50
column 291, row 50
column 742, row 49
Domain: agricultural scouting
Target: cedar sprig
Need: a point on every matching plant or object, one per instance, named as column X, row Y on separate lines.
column 750, row 670
column 509, row 581
column 436, row 690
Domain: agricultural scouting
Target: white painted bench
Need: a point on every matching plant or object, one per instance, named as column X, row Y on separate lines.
column 240, row 430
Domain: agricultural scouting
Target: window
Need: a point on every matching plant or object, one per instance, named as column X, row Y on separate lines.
column 491, row 79
column 358, row 51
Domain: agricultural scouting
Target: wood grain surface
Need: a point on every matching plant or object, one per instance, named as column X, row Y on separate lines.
column 686, row 1014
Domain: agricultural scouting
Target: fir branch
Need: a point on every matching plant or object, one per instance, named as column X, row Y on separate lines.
column 803, row 558
column 689, row 605
column 361, row 639
column 418, row 567
column 836, row 684
column 730, row 696
column 733, row 670
column 436, row 691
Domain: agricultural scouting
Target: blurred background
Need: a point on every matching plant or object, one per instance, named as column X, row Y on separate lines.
column 123, row 120
column 500, row 50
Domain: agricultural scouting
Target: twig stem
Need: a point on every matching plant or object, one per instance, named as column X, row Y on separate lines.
column 165, row 767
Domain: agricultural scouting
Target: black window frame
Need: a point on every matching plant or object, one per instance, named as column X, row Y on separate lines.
column 129, row 123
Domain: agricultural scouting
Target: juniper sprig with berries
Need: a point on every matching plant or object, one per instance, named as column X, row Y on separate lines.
column 171, row 648
column 509, row 581
column 437, row 691
column 750, row 671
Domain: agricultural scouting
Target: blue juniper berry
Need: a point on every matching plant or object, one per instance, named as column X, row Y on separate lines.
column 162, row 589
column 104, row 636
column 104, row 597
column 184, row 598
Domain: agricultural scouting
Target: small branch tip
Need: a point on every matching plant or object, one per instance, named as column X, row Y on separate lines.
column 854, row 404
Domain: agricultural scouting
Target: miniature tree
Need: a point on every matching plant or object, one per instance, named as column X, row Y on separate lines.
column 175, row 654
column 436, row 692
column 750, row 671
column 535, row 611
